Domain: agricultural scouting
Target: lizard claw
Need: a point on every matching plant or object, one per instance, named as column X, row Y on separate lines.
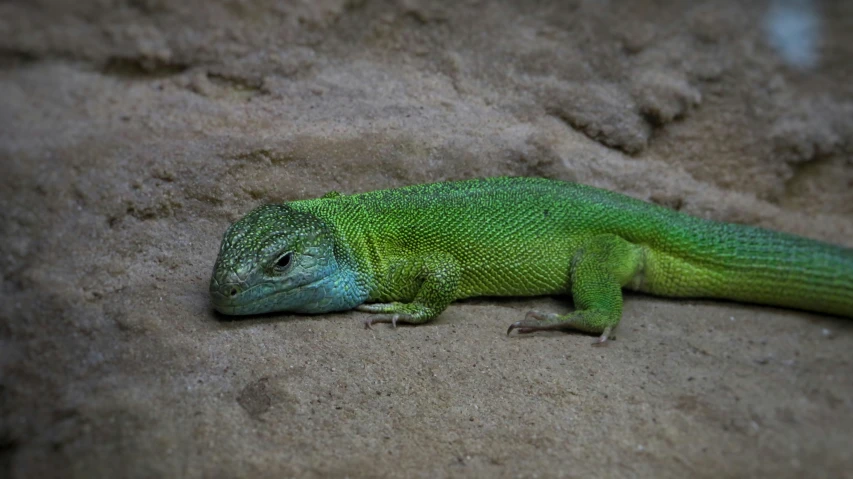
column 529, row 324
column 518, row 326
column 602, row 340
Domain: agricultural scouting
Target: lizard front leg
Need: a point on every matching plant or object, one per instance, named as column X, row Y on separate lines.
column 437, row 281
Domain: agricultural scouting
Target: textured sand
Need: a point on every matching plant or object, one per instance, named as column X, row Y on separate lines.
column 133, row 132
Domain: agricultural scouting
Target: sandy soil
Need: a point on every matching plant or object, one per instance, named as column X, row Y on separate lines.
column 133, row 132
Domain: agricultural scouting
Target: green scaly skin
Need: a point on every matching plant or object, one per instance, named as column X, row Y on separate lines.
column 407, row 253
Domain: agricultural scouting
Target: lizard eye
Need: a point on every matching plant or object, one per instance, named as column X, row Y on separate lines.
column 283, row 262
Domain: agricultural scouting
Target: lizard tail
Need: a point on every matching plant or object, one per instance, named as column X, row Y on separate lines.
column 744, row 263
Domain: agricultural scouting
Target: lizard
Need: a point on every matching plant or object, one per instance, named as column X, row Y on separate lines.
column 405, row 254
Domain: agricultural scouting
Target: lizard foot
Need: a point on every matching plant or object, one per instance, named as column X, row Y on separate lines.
column 389, row 318
column 540, row 321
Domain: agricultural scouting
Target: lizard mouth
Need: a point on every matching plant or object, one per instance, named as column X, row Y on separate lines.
column 223, row 303
column 227, row 301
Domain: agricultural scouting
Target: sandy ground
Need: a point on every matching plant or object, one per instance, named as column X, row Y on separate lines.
column 133, row 132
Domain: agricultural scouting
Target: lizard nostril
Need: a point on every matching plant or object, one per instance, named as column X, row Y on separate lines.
column 233, row 292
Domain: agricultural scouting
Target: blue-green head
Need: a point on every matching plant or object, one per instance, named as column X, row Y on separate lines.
column 279, row 259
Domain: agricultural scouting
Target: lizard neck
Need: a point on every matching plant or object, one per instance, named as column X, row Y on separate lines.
column 352, row 281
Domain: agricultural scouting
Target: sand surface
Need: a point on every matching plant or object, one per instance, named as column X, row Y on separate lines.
column 133, row 132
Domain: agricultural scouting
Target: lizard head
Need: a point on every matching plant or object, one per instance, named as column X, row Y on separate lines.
column 274, row 259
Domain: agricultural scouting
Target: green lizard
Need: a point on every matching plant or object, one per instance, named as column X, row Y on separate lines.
column 408, row 253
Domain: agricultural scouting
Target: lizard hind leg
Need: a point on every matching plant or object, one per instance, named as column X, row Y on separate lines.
column 599, row 269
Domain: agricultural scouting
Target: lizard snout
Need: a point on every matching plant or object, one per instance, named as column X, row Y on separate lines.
column 223, row 293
